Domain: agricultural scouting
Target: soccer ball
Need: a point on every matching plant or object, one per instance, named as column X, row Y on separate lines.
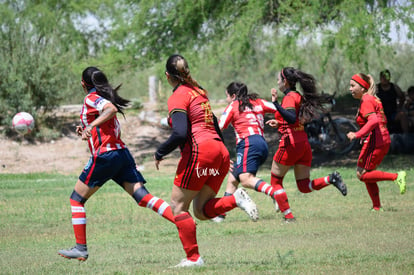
column 23, row 123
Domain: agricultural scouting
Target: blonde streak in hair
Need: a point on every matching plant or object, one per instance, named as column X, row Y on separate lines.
column 372, row 87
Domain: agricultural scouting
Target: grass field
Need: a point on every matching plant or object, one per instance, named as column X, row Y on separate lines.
column 333, row 235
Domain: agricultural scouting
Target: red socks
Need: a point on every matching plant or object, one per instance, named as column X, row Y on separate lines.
column 280, row 196
column 306, row 186
column 375, row 176
column 218, row 206
column 264, row 187
column 157, row 205
column 373, row 192
column 187, row 233
column 78, row 221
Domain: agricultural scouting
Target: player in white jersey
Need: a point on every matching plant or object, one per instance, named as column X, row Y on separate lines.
column 246, row 113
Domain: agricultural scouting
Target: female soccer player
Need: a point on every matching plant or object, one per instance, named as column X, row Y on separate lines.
column 246, row 113
column 110, row 158
column 375, row 138
column 204, row 159
column 294, row 149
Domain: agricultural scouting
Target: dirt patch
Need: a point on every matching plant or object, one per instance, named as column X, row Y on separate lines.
column 142, row 133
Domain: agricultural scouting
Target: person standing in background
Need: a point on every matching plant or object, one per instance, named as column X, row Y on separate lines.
column 392, row 99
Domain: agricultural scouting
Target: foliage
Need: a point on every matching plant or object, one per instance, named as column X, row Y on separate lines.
column 46, row 44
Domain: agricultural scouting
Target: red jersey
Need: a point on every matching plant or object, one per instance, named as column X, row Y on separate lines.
column 371, row 105
column 250, row 121
column 105, row 137
column 194, row 102
column 294, row 132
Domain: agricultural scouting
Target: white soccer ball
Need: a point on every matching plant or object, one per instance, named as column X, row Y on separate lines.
column 23, row 123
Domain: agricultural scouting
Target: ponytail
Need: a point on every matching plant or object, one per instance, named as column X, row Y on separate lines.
column 105, row 90
column 242, row 95
column 177, row 67
column 312, row 102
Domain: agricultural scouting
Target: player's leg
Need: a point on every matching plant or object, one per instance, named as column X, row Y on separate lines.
column 278, row 172
column 145, row 199
column 78, row 198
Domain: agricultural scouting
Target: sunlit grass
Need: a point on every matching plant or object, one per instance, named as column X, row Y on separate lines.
column 334, row 234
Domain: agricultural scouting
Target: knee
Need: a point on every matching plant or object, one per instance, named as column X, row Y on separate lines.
column 303, row 185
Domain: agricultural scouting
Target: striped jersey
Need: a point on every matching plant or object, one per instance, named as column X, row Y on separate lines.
column 250, row 121
column 105, row 137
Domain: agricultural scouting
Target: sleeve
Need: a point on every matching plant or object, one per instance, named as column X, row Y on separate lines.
column 368, row 127
column 288, row 114
column 367, row 110
column 268, row 107
column 217, row 127
column 226, row 117
column 178, row 135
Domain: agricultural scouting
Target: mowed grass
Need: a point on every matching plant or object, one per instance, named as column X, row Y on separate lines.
column 333, row 234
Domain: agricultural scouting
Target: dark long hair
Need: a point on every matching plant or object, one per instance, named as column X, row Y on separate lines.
column 312, row 102
column 177, row 67
column 242, row 95
column 92, row 77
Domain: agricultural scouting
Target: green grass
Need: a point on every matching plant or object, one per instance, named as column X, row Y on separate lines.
column 333, row 235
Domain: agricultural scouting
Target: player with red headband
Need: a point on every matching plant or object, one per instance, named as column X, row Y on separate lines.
column 294, row 149
column 375, row 139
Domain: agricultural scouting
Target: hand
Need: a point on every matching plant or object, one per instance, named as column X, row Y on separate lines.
column 272, row 123
column 231, row 166
column 86, row 133
column 351, row 135
column 157, row 163
column 78, row 130
column 273, row 91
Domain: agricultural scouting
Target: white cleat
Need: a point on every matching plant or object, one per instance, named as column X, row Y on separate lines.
column 188, row 263
column 246, row 204
column 218, row 219
column 277, row 209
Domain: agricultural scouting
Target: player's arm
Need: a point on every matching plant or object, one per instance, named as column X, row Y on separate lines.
column 369, row 126
column 178, row 136
column 108, row 112
column 288, row 114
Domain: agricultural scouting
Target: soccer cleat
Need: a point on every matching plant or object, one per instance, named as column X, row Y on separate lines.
column 377, row 209
column 289, row 220
column 74, row 253
column 218, row 219
column 246, row 204
column 400, row 181
column 189, row 263
column 276, row 205
column 336, row 179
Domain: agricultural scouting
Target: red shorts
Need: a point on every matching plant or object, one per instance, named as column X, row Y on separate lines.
column 370, row 156
column 206, row 164
column 291, row 154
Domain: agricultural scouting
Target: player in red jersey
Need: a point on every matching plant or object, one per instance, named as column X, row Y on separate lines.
column 294, row 149
column 204, row 159
column 110, row 158
column 375, row 138
column 246, row 113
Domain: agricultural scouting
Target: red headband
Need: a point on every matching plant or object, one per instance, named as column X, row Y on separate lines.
column 360, row 81
column 283, row 75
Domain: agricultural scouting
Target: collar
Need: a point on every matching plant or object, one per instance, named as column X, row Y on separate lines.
column 92, row 90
